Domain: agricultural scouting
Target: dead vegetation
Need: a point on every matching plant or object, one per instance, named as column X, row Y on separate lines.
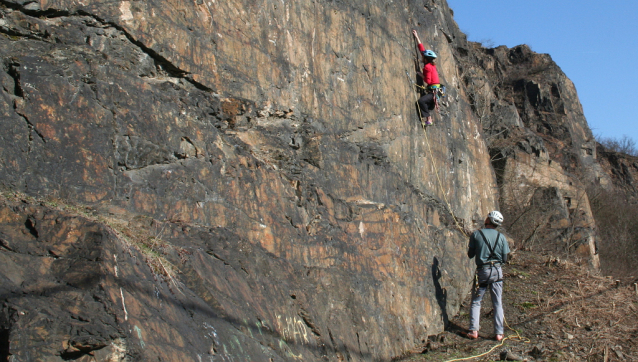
column 140, row 233
column 561, row 310
column 624, row 144
column 617, row 228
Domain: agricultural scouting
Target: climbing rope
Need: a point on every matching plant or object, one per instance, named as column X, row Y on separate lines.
column 511, row 337
column 427, row 141
column 502, row 342
column 432, row 158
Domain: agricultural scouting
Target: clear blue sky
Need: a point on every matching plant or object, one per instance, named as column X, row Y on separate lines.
column 595, row 43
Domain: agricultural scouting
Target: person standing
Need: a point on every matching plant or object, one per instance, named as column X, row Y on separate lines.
column 489, row 248
column 430, row 77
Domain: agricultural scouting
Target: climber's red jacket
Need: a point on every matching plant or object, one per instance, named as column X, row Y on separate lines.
column 430, row 74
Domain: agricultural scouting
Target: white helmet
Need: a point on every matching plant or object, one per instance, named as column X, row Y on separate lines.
column 495, row 217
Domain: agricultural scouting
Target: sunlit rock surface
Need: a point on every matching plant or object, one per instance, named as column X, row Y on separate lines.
column 284, row 200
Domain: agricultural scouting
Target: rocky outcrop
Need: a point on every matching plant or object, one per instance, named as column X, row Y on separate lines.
column 249, row 180
column 623, row 171
column 542, row 149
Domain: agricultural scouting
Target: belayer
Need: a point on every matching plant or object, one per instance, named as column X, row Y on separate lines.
column 489, row 248
column 431, row 78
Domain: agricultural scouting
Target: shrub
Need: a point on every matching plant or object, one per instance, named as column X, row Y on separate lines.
column 617, row 231
column 624, row 145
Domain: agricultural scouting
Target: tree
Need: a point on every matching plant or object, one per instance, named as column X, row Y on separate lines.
column 624, row 145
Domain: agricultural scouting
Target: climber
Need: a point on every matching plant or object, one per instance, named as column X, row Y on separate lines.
column 490, row 249
column 430, row 77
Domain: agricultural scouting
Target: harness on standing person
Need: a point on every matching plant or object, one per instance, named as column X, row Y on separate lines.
column 490, row 259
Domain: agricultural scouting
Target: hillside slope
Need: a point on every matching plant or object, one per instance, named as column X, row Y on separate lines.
column 556, row 310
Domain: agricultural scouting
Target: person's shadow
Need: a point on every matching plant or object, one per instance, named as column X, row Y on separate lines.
column 441, row 294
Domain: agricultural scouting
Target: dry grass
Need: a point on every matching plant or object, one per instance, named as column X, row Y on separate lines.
column 139, row 233
column 562, row 310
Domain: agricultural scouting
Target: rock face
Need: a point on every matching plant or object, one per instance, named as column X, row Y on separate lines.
column 623, row 171
column 542, row 149
column 240, row 180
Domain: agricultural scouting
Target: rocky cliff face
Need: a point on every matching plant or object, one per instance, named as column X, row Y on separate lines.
column 542, row 149
column 249, row 180
column 622, row 169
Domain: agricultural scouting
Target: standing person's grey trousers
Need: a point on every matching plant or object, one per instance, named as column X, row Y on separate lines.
column 491, row 277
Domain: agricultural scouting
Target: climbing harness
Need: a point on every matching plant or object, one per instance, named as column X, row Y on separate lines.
column 491, row 265
column 517, row 337
column 439, row 92
column 493, row 261
column 437, row 89
column 492, row 250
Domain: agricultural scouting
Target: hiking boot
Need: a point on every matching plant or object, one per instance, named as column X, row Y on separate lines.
column 472, row 334
column 498, row 337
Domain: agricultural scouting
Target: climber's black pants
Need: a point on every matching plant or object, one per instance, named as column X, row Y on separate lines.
column 426, row 104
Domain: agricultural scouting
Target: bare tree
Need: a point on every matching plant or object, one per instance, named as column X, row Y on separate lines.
column 624, row 145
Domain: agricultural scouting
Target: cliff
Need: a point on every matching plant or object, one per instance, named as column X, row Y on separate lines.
column 543, row 152
column 248, row 180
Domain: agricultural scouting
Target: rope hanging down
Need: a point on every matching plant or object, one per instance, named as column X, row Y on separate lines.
column 432, row 158
column 417, row 87
column 417, row 93
column 511, row 336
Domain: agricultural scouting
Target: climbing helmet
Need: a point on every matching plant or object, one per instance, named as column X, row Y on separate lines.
column 495, row 217
column 430, row 54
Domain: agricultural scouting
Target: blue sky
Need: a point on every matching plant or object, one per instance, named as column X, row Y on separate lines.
column 594, row 42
